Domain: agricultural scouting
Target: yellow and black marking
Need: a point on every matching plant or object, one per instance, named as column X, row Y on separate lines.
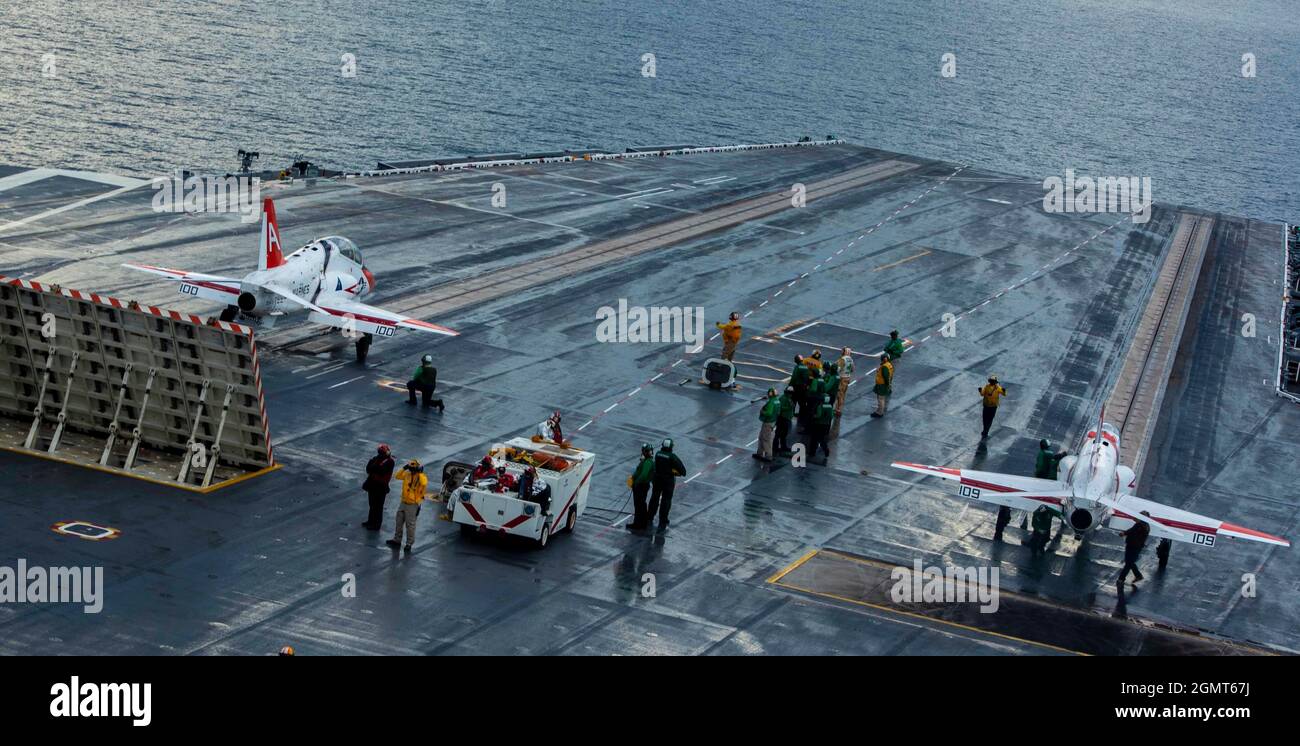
column 85, row 530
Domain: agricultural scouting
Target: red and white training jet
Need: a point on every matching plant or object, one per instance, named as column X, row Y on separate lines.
column 326, row 278
column 1091, row 490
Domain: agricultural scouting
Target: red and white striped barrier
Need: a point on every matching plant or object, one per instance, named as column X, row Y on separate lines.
column 116, row 303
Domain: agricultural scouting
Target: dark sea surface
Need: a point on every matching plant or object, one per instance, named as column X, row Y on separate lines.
column 1106, row 87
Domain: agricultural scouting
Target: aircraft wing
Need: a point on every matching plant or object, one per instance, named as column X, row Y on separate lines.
column 1182, row 525
column 1024, row 493
column 196, row 284
column 344, row 313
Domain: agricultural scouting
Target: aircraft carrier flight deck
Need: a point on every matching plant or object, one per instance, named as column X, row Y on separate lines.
column 759, row 558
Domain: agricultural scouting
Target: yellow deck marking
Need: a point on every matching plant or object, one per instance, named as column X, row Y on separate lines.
column 901, row 261
column 782, row 573
column 144, row 477
column 889, row 609
column 882, row 564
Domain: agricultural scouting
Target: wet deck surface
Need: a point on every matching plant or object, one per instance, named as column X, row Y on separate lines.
column 258, row 565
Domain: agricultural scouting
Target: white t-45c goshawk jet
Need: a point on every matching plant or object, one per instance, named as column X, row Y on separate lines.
column 326, row 278
column 1093, row 489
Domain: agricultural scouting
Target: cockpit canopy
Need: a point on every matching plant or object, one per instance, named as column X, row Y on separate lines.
column 343, row 246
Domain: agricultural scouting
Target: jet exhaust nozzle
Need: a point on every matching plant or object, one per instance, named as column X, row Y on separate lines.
column 1080, row 519
column 247, row 302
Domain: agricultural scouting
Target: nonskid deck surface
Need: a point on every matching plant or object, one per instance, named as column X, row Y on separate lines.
column 1047, row 302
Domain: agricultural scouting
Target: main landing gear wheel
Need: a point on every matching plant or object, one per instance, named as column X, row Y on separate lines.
column 230, row 313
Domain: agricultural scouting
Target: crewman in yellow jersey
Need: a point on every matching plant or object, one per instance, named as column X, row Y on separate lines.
column 731, row 332
column 414, row 485
column 884, row 387
column 991, row 394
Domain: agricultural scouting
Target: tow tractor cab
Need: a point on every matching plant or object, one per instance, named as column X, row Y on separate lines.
column 484, row 504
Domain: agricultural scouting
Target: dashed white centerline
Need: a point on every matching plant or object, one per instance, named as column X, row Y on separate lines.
column 350, row 380
column 327, row 370
column 700, row 348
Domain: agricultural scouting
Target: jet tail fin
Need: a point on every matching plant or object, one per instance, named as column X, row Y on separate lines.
column 270, row 254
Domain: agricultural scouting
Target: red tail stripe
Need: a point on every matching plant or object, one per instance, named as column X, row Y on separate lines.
column 274, row 257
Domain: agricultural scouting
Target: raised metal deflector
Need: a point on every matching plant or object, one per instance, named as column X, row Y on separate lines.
column 137, row 390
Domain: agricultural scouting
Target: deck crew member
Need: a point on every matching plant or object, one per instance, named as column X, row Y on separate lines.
column 783, row 418
column 811, row 398
column 425, row 380
column 640, row 481
column 731, row 332
column 1047, row 464
column 667, row 468
column 767, row 417
column 363, row 347
column 1042, row 530
column 991, row 394
column 485, row 470
column 414, row 485
column 505, row 481
column 1004, row 517
column 831, row 384
column 379, row 472
column 527, row 481
column 844, row 368
column 550, row 430
column 1135, row 539
column 821, row 427
column 884, row 387
column 814, row 362
column 894, row 348
column 799, row 378
column 533, row 488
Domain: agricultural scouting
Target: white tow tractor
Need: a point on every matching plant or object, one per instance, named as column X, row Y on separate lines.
column 482, row 503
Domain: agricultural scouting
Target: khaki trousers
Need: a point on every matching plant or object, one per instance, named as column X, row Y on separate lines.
column 406, row 515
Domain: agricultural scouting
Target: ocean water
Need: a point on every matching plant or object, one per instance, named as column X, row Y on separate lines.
column 1107, row 87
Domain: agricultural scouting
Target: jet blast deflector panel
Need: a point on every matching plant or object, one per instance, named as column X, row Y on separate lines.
column 142, row 391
